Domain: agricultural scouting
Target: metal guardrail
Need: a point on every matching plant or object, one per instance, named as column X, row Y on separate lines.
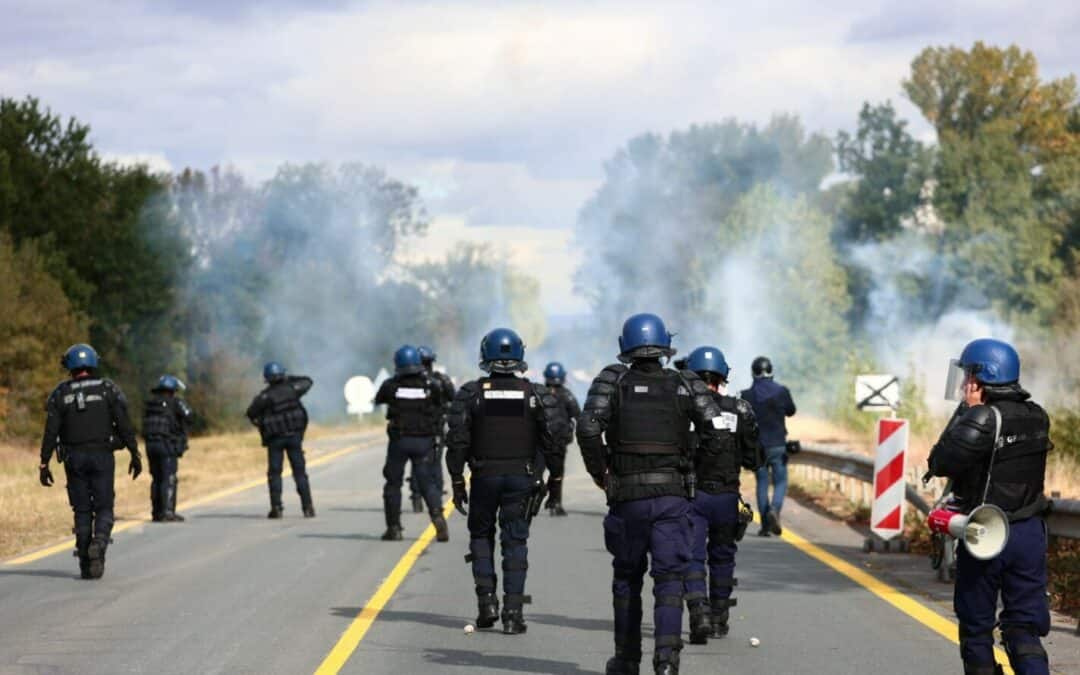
column 1063, row 521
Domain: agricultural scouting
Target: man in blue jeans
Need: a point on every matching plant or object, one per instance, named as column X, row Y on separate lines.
column 772, row 403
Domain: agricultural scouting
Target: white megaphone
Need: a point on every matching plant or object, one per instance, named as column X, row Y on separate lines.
column 985, row 532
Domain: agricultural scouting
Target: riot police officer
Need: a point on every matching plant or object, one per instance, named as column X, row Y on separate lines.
column 87, row 419
column 633, row 436
column 555, row 379
column 282, row 421
column 427, row 357
column 772, row 403
column 165, row 428
column 505, row 428
column 414, row 412
column 719, row 514
column 994, row 450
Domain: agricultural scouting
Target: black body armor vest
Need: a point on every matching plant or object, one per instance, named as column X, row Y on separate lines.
column 504, row 423
column 722, row 464
column 86, row 415
column 159, row 420
column 286, row 416
column 647, row 419
column 1019, row 468
column 414, row 410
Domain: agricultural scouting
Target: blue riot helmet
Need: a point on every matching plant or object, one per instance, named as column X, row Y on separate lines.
column 644, row 336
column 169, row 383
column 407, row 361
column 79, row 357
column 273, row 372
column 991, row 362
column 427, row 354
column 502, row 351
column 708, row 361
column 554, row 373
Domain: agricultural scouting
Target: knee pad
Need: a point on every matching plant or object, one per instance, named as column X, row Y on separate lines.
column 1022, row 642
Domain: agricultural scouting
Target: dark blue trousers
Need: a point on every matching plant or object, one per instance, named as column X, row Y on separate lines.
column 1018, row 576
column 635, row 531
column 419, row 451
column 499, row 499
column 276, row 451
column 715, row 518
column 90, row 492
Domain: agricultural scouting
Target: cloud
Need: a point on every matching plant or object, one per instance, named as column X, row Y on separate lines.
column 503, row 112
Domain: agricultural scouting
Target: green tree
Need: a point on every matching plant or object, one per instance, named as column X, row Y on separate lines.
column 1008, row 162
column 39, row 324
column 890, row 168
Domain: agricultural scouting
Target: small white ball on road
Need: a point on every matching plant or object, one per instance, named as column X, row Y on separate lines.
column 469, row 628
column 754, row 642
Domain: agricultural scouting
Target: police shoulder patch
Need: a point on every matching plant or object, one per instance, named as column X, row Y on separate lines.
column 726, row 421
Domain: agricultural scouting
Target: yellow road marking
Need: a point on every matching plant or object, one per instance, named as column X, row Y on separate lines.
column 69, row 544
column 905, row 603
column 350, row 639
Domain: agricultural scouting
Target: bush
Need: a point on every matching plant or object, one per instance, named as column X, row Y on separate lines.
column 38, row 325
column 1065, row 433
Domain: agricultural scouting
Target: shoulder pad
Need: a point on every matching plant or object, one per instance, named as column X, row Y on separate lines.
column 742, row 405
column 694, row 384
column 982, row 415
column 470, row 388
column 611, row 374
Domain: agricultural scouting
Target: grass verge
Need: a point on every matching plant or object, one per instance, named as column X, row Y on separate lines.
column 32, row 516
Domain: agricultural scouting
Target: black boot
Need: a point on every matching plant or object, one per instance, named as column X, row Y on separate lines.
column 276, row 511
column 700, row 627
column 442, row 532
column 668, row 665
column 393, row 520
column 95, row 554
column 555, row 507
column 512, row 616
column 766, row 529
column 623, row 664
column 719, row 618
column 487, row 610
column 157, row 508
column 306, row 503
column 171, row 515
column 81, row 545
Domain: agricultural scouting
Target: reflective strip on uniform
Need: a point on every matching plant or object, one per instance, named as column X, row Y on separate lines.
column 412, row 393
column 504, row 394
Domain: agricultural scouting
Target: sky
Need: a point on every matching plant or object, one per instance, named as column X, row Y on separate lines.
column 501, row 113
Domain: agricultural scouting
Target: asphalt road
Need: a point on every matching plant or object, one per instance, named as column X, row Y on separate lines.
column 232, row 592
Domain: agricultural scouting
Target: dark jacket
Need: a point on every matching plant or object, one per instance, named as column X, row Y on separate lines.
column 694, row 403
column 277, row 410
column 548, row 424
column 165, row 424
column 772, row 403
column 966, row 448
column 87, row 413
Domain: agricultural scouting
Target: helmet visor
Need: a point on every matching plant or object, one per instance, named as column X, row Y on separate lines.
column 954, row 383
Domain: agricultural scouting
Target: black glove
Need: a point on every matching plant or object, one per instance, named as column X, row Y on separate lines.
column 135, row 467
column 461, row 496
column 45, row 475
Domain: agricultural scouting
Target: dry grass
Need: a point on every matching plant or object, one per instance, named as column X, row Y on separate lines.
column 32, row 516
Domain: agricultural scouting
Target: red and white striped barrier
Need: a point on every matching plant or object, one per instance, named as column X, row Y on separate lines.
column 887, row 512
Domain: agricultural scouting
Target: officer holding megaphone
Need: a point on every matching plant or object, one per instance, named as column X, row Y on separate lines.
column 994, row 450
